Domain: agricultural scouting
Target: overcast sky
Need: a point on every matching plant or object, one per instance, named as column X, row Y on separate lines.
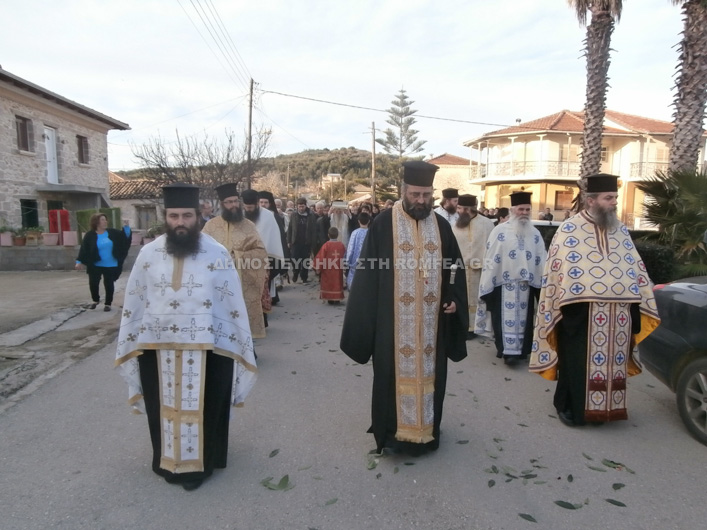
column 154, row 65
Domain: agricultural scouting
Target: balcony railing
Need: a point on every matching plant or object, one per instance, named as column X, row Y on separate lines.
column 647, row 169
column 537, row 169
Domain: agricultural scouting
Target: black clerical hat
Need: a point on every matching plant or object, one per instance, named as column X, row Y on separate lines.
column 601, row 182
column 450, row 193
column 227, row 190
column 180, row 195
column 520, row 197
column 419, row 173
column 249, row 197
column 267, row 195
column 467, row 200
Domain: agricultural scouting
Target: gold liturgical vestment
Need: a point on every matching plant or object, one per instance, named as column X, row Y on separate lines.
column 251, row 260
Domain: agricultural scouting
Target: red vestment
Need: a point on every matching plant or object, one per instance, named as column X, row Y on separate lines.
column 329, row 265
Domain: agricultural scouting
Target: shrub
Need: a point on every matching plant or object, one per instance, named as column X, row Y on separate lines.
column 659, row 261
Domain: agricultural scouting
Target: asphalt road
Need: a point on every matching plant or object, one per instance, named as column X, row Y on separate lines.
column 72, row 455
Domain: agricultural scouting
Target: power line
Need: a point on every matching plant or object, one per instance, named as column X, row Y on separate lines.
column 388, row 112
column 227, row 70
column 217, row 40
column 239, row 98
column 225, row 32
column 261, row 111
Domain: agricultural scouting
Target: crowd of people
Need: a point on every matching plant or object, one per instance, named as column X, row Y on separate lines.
column 420, row 282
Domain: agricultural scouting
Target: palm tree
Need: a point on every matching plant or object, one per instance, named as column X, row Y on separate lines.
column 691, row 85
column 597, row 48
column 675, row 203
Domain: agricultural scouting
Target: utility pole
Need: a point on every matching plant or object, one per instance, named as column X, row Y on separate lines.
column 373, row 164
column 250, row 135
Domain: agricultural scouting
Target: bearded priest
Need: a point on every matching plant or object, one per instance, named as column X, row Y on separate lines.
column 407, row 311
column 184, row 345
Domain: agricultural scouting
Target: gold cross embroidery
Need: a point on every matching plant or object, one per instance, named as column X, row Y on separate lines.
column 407, row 298
column 407, row 350
column 406, row 246
column 430, row 298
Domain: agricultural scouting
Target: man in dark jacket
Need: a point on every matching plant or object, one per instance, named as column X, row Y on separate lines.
column 300, row 237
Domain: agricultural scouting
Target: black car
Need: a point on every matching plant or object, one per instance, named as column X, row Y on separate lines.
column 676, row 352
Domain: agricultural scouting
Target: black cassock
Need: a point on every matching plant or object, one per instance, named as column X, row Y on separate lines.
column 369, row 325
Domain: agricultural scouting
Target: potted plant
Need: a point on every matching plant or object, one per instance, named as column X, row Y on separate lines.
column 33, row 233
column 50, row 239
column 19, row 237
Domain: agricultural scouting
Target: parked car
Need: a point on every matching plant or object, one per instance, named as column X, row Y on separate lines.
column 676, row 352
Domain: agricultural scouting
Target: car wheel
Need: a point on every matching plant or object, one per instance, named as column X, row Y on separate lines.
column 692, row 398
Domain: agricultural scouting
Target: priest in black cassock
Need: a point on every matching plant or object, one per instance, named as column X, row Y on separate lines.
column 407, row 311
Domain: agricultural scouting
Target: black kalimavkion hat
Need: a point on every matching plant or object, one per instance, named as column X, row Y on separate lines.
column 601, row 182
column 227, row 190
column 520, row 197
column 180, row 195
column 419, row 173
column 467, row 200
column 249, row 197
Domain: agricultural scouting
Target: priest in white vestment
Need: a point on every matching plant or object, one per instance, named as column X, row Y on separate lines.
column 184, row 345
column 510, row 282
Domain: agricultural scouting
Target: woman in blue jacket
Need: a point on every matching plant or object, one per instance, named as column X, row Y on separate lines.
column 103, row 251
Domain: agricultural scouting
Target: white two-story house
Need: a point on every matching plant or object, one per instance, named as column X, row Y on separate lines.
column 53, row 154
column 543, row 156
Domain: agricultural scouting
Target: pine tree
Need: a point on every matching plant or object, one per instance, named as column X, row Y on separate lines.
column 401, row 140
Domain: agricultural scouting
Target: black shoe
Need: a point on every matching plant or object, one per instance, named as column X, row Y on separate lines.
column 305, row 281
column 191, row 485
column 470, row 335
column 93, row 305
column 265, row 319
column 499, row 355
column 510, row 360
column 567, row 418
column 106, row 308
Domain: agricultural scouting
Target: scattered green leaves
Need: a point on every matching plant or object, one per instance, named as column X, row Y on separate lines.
column 570, row 478
column 492, row 483
column 568, row 505
column 522, row 424
column 462, row 442
column 274, row 453
column 331, row 501
column 527, row 517
column 596, row 468
column 283, row 485
column 617, row 486
column 615, row 502
column 585, row 455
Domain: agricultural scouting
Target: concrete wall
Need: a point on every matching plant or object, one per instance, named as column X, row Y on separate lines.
column 43, row 258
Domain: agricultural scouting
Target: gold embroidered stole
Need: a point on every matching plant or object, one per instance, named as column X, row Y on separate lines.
column 181, row 378
column 417, row 258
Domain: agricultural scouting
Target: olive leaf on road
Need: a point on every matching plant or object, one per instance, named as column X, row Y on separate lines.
column 462, row 442
column 331, row 501
column 595, row 468
column 617, row 465
column 615, row 502
column 527, row 517
column 617, row 486
column 274, row 453
column 283, row 485
column 568, row 505
column 492, row 483
column 585, row 455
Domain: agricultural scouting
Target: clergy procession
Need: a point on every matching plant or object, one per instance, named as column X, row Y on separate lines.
column 421, row 284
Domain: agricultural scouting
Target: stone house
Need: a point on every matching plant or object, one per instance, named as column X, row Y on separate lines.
column 53, row 154
column 139, row 200
column 454, row 172
column 543, row 156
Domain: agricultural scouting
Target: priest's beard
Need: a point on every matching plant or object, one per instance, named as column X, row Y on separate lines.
column 605, row 218
column 417, row 211
column 254, row 215
column 451, row 209
column 341, row 222
column 232, row 216
column 182, row 241
column 464, row 219
column 521, row 225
